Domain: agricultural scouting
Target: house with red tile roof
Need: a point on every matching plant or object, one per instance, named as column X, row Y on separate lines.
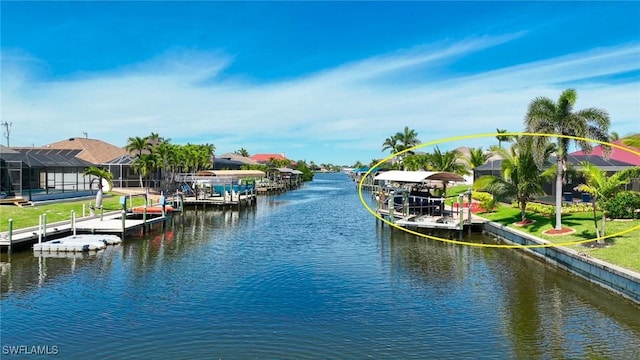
column 264, row 158
column 616, row 153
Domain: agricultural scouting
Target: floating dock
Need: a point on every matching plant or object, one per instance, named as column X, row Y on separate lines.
column 115, row 223
column 78, row 243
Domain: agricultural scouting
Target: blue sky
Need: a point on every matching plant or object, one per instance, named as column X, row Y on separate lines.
column 318, row 81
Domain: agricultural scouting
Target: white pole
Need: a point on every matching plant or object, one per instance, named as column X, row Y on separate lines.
column 73, row 222
column 44, row 225
column 40, row 229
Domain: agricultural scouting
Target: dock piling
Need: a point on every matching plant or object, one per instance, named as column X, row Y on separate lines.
column 124, row 227
column 144, row 218
column 73, row 222
column 40, row 229
column 10, row 234
column 44, row 226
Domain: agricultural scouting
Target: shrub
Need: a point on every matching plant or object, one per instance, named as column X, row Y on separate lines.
column 548, row 210
column 623, row 205
column 481, row 196
column 489, row 204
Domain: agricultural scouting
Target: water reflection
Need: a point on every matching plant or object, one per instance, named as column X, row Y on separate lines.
column 308, row 274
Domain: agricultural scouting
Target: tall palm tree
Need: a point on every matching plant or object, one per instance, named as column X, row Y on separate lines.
column 166, row 160
column 407, row 139
column 144, row 165
column 502, row 138
column 390, row 143
column 99, row 173
column 602, row 188
column 549, row 117
column 521, row 178
column 139, row 145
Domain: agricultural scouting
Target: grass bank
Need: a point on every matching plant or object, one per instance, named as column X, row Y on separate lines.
column 622, row 250
column 58, row 211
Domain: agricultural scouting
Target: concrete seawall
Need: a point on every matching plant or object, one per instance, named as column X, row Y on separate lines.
column 614, row 278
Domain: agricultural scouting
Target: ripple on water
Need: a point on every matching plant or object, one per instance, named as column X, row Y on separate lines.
column 309, row 274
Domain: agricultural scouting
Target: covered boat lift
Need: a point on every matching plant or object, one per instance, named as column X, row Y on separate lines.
column 395, row 200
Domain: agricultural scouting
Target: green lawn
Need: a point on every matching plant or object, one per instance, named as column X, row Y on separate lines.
column 455, row 190
column 29, row 215
column 622, row 250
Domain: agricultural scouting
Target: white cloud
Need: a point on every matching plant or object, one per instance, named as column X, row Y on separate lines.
column 336, row 115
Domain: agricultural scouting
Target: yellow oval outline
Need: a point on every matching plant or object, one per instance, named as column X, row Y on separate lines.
column 476, row 136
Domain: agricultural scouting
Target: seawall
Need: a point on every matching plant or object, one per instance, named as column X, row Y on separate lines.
column 614, row 278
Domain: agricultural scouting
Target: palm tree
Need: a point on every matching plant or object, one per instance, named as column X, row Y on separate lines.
column 408, row 138
column 390, row 143
column 614, row 136
column 138, row 144
column 446, row 161
column 416, row 162
column 242, row 152
column 521, row 178
column 602, row 188
column 502, row 138
column 100, row 173
column 549, row 117
column 477, row 157
column 166, row 160
column 144, row 165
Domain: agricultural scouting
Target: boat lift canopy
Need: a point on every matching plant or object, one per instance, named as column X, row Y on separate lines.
column 418, row 176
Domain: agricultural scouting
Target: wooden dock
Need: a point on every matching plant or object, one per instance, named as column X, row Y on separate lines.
column 108, row 223
column 438, row 216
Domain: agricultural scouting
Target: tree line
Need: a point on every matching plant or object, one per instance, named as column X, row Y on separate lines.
column 526, row 164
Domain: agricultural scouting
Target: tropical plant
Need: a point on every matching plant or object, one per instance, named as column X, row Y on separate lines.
column 521, row 179
column 416, row 162
column 624, row 205
column 549, row 117
column 446, row 161
column 139, row 145
column 390, row 143
column 99, row 174
column 477, row 157
column 167, row 160
column 632, row 141
column 407, row 139
column 602, row 188
column 242, row 152
column 307, row 173
column 502, row 138
column 614, row 136
column 144, row 165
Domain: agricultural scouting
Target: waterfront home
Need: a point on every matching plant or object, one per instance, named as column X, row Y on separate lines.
column 33, row 174
column 609, row 165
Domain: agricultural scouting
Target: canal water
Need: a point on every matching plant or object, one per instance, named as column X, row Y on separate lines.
column 306, row 274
